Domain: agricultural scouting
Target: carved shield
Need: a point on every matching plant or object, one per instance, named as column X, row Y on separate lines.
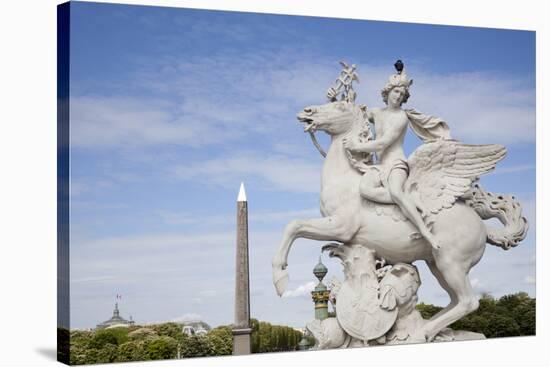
column 360, row 315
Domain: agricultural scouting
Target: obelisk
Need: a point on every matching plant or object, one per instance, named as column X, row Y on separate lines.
column 241, row 327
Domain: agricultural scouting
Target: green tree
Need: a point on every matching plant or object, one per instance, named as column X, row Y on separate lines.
column 132, row 351
column 107, row 354
column 114, row 336
column 255, row 337
column 511, row 315
column 427, row 310
column 91, row 356
column 197, row 346
column 502, row 325
column 79, row 346
column 478, row 323
column 221, row 338
column 170, row 329
column 79, row 353
column 487, row 304
column 526, row 317
column 102, row 338
column 162, row 347
column 265, row 337
column 142, row 334
column 273, row 338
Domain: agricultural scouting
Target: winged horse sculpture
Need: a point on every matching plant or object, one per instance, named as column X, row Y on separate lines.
column 442, row 181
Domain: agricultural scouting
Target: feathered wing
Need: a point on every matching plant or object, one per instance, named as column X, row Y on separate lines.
column 443, row 170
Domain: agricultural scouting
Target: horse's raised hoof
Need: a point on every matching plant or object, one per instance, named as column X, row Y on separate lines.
column 280, row 280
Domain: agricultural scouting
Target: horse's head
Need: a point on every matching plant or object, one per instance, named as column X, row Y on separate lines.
column 334, row 118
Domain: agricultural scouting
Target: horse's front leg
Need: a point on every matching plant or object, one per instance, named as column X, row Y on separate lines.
column 333, row 228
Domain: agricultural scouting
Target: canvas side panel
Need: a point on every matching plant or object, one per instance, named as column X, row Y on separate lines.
column 63, row 284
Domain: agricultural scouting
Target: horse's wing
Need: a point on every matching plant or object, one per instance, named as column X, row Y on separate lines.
column 443, row 170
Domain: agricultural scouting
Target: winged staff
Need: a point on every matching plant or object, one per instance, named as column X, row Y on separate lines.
column 344, row 84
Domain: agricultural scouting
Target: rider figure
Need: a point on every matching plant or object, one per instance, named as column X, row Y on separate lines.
column 393, row 170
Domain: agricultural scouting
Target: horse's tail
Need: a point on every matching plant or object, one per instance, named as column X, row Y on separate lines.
column 503, row 207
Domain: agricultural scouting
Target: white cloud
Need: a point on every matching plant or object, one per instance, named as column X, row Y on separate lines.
column 126, row 122
column 529, row 279
column 224, row 97
column 162, row 241
column 284, row 216
column 479, row 107
column 514, row 169
column 300, row 291
column 200, row 102
column 476, row 283
column 274, row 171
column 188, row 317
column 172, row 217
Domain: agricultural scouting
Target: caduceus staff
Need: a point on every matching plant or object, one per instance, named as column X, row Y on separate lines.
column 344, row 86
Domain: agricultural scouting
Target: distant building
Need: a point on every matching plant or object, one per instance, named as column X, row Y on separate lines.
column 115, row 321
column 194, row 328
column 188, row 330
column 201, row 331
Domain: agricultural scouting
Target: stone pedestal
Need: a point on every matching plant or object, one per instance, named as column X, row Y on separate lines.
column 241, row 341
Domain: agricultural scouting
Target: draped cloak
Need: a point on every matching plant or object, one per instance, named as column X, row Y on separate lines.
column 427, row 127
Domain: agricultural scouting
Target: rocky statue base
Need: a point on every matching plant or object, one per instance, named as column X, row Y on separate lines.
column 375, row 304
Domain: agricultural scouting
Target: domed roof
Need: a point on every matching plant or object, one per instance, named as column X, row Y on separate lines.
column 115, row 320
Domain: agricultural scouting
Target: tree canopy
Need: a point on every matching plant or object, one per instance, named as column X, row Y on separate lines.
column 510, row 315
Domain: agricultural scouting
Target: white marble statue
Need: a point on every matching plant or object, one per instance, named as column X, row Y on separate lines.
column 382, row 206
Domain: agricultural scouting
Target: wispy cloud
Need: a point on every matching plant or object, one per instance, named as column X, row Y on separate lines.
column 274, row 171
column 200, row 101
column 476, row 283
column 300, row 291
column 188, row 317
column 132, row 122
column 529, row 279
column 479, row 107
column 204, row 101
column 172, row 217
column 284, row 216
column 514, row 169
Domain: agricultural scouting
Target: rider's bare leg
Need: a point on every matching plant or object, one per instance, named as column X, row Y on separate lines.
column 371, row 188
column 396, row 179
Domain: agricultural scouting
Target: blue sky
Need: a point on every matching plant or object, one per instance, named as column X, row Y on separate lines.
column 172, row 108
